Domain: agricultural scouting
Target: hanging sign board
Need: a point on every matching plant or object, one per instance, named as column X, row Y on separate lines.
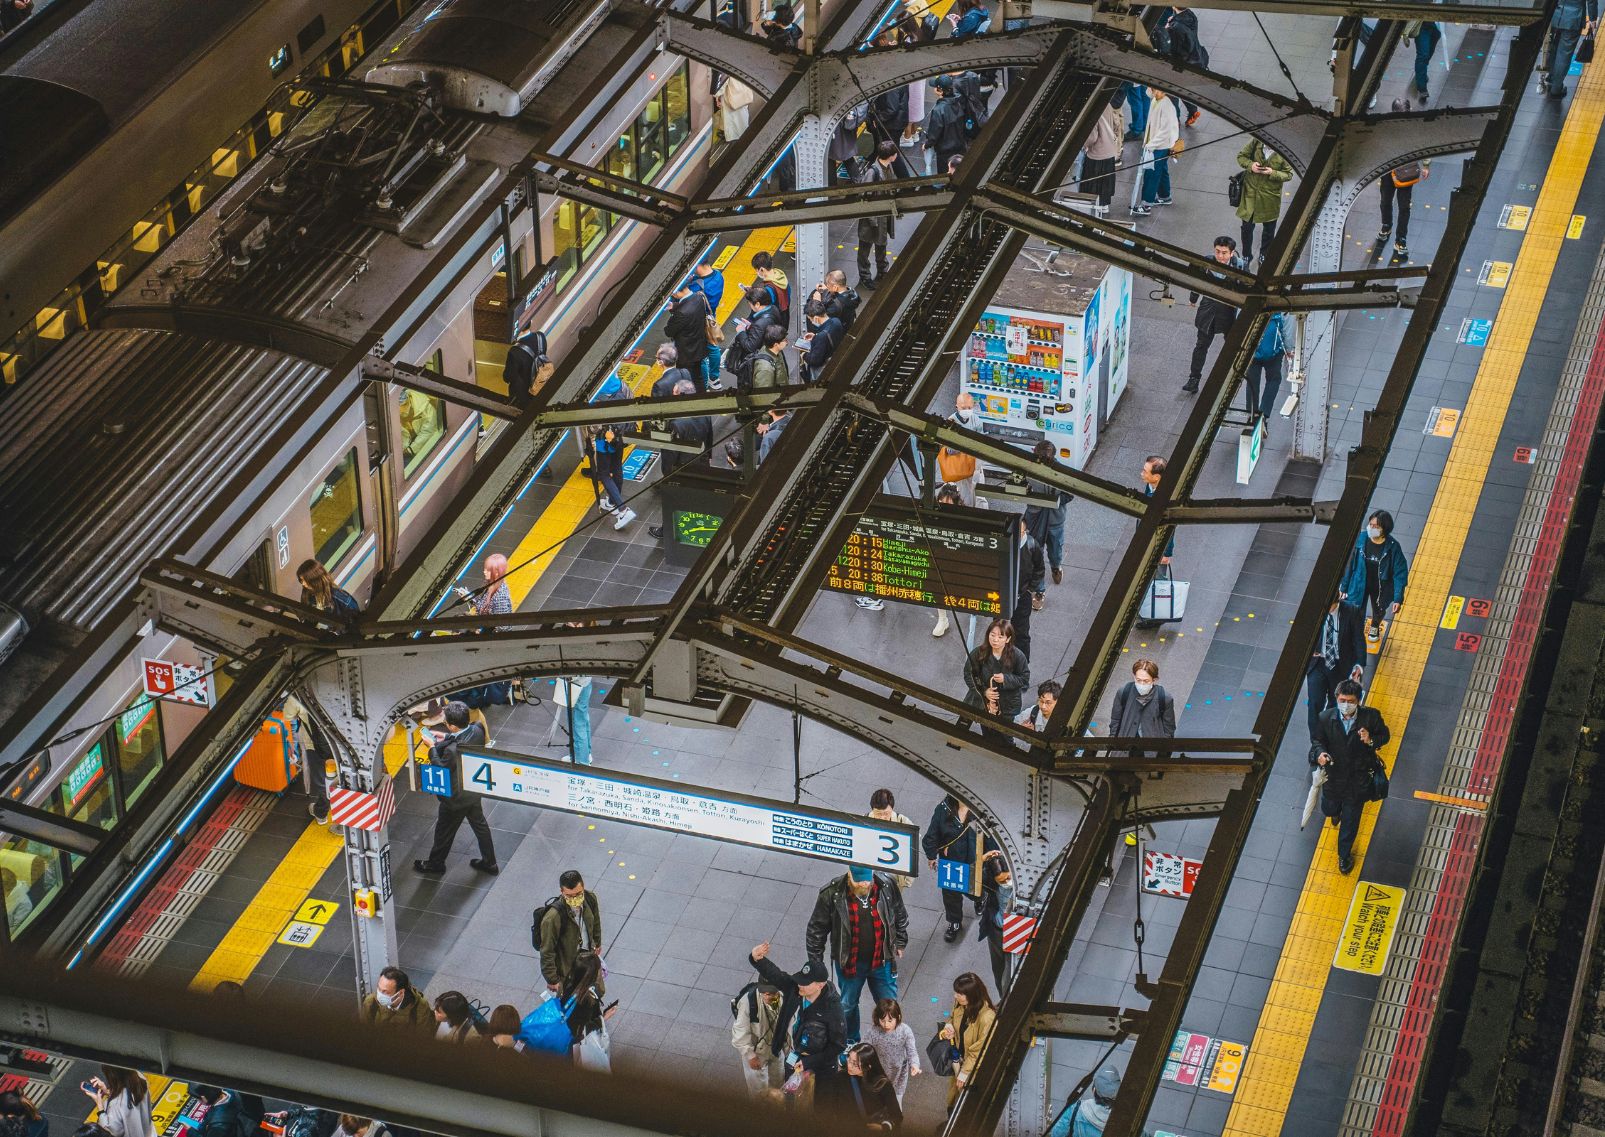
column 940, row 557
column 761, row 822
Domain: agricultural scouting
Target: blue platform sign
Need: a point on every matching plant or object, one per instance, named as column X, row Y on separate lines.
column 639, row 461
column 1475, row 332
column 435, row 779
column 953, row 876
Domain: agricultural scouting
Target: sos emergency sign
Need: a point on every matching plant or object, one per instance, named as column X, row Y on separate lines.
column 1169, row 874
column 175, row 681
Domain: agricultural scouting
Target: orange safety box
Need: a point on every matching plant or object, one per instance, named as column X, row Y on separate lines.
column 271, row 760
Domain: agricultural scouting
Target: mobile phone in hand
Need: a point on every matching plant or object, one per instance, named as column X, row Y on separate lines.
column 610, row 1006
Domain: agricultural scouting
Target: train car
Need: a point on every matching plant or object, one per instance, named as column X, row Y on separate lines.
column 220, row 417
column 119, row 104
column 490, row 56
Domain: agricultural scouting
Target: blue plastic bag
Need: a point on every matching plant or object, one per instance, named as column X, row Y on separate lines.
column 546, row 1028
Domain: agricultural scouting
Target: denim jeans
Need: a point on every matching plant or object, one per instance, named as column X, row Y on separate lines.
column 1426, row 43
column 882, row 982
column 1137, row 102
column 1156, row 176
column 580, row 730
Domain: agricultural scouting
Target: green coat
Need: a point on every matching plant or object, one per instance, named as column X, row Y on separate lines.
column 1262, row 193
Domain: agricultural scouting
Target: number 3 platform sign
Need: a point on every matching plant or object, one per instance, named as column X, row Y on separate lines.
column 761, row 822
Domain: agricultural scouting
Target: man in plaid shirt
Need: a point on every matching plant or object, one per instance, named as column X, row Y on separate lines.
column 863, row 916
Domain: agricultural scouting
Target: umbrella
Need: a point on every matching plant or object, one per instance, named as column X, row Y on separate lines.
column 1317, row 780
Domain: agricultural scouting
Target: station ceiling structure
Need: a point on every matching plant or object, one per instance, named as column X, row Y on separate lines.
column 731, row 633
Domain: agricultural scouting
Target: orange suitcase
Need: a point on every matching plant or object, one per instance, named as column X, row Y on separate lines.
column 269, row 763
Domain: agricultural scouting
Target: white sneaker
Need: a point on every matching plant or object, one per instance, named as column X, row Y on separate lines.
column 626, row 515
column 941, row 623
column 604, row 506
column 869, row 603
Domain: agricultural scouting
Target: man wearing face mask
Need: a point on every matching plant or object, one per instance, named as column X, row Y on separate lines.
column 863, row 917
column 1345, row 745
column 960, row 470
column 1339, row 654
column 394, row 1001
column 566, row 924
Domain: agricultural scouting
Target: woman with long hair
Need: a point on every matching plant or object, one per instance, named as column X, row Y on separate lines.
column 974, row 1016
column 995, row 674
column 123, row 1099
column 458, row 1020
column 866, row 1093
column 319, row 590
column 586, row 1016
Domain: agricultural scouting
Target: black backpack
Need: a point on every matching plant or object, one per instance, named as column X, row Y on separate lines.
column 555, row 904
column 749, row 993
column 741, row 355
column 973, row 103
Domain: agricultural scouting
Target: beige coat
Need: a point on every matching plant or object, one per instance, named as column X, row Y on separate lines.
column 973, row 1034
column 1107, row 135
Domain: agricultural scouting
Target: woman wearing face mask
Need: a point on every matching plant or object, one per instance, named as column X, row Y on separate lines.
column 996, row 899
column 1376, row 575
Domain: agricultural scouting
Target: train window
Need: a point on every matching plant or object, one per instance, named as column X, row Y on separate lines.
column 677, row 108
column 279, row 61
column 86, row 791
column 650, row 137
column 423, row 425
column 309, row 36
column 336, row 511
column 30, row 875
column 138, row 734
column 621, row 159
column 566, row 241
column 593, row 227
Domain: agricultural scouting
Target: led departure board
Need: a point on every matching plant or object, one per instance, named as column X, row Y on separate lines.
column 938, row 557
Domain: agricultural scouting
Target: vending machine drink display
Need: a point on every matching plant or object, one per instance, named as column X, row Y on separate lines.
column 1050, row 355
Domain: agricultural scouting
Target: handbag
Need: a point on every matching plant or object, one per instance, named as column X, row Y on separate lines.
column 1234, row 190
column 594, row 1052
column 1166, row 598
column 955, row 465
column 1585, row 50
column 1379, row 783
column 942, row 1054
column 715, row 328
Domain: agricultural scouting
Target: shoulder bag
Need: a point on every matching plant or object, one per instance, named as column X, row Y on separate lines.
column 715, row 328
column 941, row 1054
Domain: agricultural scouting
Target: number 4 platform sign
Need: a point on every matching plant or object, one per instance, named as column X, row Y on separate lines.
column 745, row 820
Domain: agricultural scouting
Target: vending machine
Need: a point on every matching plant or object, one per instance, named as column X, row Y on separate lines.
column 1050, row 356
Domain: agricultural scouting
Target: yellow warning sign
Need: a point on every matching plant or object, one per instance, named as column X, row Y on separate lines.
column 632, row 374
column 166, row 1110
column 299, row 934
column 1515, row 216
column 1574, row 230
column 316, row 911
column 1368, row 932
column 1228, row 1066
column 789, row 245
column 1451, row 612
column 1441, row 422
column 726, row 255
column 1495, row 274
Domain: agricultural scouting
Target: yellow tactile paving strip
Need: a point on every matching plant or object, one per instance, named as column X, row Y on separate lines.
column 1288, row 1018
column 575, row 502
column 258, row 927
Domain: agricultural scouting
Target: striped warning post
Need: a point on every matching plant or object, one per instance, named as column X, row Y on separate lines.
column 356, row 809
column 1018, row 931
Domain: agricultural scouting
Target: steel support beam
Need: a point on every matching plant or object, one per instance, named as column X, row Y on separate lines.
column 49, row 828
column 757, row 63
column 569, row 415
column 1079, row 1020
column 844, row 203
column 1246, row 511
column 584, row 189
column 454, row 391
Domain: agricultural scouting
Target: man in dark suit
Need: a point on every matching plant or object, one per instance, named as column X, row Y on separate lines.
column 1346, row 742
column 460, row 806
column 1339, row 654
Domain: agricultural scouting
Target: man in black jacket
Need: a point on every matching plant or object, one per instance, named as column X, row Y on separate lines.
column 944, row 124
column 825, row 334
column 1346, row 742
column 839, row 300
column 876, row 230
column 1033, row 567
column 1214, row 317
column 810, row 1015
column 1339, row 654
column 460, row 806
column 687, row 326
column 861, row 915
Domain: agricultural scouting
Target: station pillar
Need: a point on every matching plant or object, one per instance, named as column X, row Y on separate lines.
column 813, row 239
column 1317, row 333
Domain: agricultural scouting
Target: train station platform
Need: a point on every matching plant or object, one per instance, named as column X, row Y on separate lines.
column 1290, row 1028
